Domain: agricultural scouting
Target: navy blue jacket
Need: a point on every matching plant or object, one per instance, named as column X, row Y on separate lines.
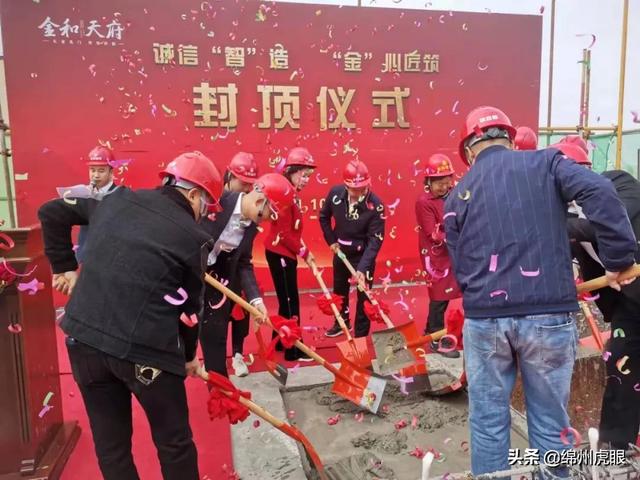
column 361, row 233
column 513, row 205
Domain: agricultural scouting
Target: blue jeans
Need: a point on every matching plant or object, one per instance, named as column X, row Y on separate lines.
column 544, row 347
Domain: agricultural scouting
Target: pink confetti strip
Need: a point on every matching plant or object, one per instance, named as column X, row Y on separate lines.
column 189, row 320
column 31, row 287
column 345, row 242
column 14, row 328
column 7, row 242
column 606, row 355
column 593, row 298
column 449, row 214
column 394, row 204
column 176, row 301
column 219, row 304
column 13, row 272
column 493, row 263
column 636, row 387
column 400, row 424
column 564, row 436
column 529, row 273
column 434, row 273
column 496, row 293
column 44, row 411
column 450, row 338
column 333, row 420
column 620, row 365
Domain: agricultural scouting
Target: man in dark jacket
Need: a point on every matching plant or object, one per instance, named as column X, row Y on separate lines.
column 620, row 414
column 358, row 231
column 233, row 232
column 506, row 230
column 142, row 273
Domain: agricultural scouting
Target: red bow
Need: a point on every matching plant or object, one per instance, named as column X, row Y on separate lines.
column 220, row 404
column 374, row 312
column 288, row 330
column 324, row 303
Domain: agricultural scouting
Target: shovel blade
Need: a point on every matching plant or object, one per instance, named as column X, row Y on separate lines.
column 356, row 351
column 391, row 350
column 363, row 388
column 277, row 371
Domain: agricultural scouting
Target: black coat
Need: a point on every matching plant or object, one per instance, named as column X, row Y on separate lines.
column 361, row 233
column 142, row 245
column 235, row 266
column 612, row 304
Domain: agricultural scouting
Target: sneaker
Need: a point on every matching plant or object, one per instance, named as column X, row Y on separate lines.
column 452, row 354
column 335, row 331
column 303, row 357
column 239, row 367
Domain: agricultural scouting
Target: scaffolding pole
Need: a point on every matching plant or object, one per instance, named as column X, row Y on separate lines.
column 623, row 62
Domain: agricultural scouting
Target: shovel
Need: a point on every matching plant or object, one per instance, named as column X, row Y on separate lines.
column 351, row 382
column 285, row 428
column 354, row 350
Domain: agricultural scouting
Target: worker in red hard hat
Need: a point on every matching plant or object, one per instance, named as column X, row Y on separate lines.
column 525, row 139
column 100, row 161
column 241, row 174
column 438, row 181
column 233, row 231
column 283, row 244
column 575, row 152
column 142, row 272
column 575, row 140
column 358, row 231
column 506, row 232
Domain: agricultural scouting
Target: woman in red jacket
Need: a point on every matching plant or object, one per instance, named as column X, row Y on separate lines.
column 433, row 250
column 283, row 244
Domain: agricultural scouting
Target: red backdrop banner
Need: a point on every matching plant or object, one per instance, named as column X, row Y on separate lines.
column 154, row 78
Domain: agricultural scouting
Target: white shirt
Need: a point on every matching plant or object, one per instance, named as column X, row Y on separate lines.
column 232, row 234
column 100, row 193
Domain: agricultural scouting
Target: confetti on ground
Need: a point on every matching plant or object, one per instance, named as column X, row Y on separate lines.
column 334, row 420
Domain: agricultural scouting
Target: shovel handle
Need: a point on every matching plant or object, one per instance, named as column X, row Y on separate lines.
column 257, row 313
column 363, row 288
column 325, row 290
column 432, row 337
column 601, row 282
column 595, row 332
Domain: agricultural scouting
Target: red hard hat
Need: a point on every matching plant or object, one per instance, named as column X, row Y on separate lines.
column 100, row 156
column 356, row 174
column 479, row 120
column 244, row 167
column 576, row 140
column 526, row 139
column 574, row 152
column 277, row 189
column 300, row 156
column 196, row 168
column 438, row 165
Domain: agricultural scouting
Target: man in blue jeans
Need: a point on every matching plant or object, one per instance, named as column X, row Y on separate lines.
column 506, row 231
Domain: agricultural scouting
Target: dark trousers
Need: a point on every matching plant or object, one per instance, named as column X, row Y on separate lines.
column 214, row 332
column 106, row 384
column 284, row 273
column 214, row 329
column 341, row 276
column 435, row 320
column 620, row 416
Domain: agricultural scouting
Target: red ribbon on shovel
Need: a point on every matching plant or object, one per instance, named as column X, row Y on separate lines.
column 324, row 303
column 289, row 332
column 374, row 312
column 221, row 405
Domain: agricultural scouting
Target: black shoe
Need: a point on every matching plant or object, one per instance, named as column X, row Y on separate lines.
column 335, row 331
column 452, row 354
column 291, row 354
column 303, row 357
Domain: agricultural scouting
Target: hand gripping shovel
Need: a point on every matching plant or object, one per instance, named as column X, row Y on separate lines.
column 354, row 349
column 351, row 382
column 398, row 348
column 257, row 410
column 596, row 284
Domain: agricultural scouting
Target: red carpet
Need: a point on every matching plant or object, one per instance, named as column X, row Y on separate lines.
column 213, row 439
